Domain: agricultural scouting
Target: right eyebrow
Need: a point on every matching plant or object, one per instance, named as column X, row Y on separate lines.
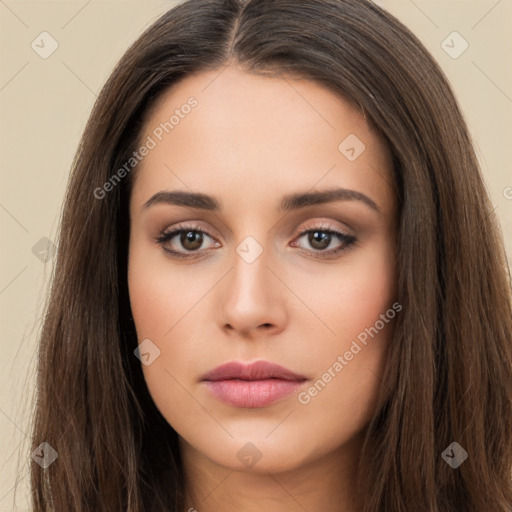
column 187, row 199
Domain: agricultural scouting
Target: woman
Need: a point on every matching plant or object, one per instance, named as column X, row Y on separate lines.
column 280, row 284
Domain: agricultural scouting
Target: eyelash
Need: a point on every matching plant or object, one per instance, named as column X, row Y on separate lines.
column 348, row 241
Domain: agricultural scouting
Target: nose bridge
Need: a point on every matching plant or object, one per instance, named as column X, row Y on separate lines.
column 250, row 274
column 251, row 298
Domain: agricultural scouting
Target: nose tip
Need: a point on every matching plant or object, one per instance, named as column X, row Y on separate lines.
column 251, row 301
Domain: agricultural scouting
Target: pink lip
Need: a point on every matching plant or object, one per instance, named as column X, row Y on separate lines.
column 254, row 385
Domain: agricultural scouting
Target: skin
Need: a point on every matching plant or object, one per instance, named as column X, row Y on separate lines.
column 249, row 141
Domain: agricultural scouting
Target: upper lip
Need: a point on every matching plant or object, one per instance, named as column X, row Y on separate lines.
column 258, row 370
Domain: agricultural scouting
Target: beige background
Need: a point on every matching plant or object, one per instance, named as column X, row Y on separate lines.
column 45, row 104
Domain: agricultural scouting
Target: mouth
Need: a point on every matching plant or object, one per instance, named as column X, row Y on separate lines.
column 255, row 385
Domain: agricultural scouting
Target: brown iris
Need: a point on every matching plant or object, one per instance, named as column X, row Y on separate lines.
column 191, row 240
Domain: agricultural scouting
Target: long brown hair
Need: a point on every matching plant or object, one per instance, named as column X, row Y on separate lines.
column 449, row 376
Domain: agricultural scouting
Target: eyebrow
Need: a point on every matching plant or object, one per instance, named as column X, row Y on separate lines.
column 290, row 202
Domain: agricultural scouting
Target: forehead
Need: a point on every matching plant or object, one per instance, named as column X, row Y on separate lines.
column 256, row 136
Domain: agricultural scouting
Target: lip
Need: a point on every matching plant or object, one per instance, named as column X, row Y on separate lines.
column 251, row 385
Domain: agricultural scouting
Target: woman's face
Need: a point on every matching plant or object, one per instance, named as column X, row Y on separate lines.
column 245, row 282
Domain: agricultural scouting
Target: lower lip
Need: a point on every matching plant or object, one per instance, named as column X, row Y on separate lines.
column 252, row 393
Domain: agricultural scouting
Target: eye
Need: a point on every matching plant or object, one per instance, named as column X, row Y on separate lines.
column 321, row 238
column 187, row 241
column 183, row 241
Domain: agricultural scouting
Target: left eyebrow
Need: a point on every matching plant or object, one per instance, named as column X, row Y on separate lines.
column 303, row 200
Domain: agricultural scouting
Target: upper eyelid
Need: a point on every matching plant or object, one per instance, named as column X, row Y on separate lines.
column 320, row 226
column 193, row 226
column 185, row 226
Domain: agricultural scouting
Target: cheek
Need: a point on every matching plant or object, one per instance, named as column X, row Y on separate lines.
column 166, row 303
column 350, row 297
column 161, row 294
column 369, row 290
column 358, row 306
column 160, row 300
column 349, row 368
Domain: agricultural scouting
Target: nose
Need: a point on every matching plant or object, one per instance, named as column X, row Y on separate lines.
column 252, row 301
